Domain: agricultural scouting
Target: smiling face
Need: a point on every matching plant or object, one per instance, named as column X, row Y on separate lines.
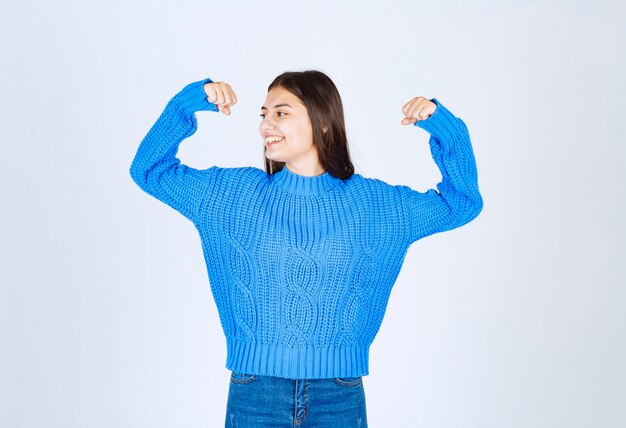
column 286, row 131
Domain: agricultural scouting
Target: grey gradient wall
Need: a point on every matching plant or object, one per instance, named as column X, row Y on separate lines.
column 514, row 320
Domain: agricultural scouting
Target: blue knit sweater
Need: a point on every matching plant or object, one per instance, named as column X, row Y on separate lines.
column 301, row 267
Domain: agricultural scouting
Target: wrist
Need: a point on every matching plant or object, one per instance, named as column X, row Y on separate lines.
column 193, row 98
column 442, row 122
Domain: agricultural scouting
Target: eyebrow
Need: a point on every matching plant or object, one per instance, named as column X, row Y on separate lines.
column 277, row 106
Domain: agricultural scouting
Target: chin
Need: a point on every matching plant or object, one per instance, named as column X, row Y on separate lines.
column 275, row 158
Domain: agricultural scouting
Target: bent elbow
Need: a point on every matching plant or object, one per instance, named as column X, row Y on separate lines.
column 139, row 174
column 468, row 211
column 473, row 208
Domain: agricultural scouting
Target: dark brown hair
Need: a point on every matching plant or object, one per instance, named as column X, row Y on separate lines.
column 323, row 104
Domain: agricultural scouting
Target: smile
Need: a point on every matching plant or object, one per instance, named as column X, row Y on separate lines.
column 270, row 141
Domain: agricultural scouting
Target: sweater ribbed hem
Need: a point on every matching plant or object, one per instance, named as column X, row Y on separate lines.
column 296, row 363
column 192, row 98
column 442, row 123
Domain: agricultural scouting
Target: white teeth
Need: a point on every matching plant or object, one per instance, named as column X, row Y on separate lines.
column 273, row 139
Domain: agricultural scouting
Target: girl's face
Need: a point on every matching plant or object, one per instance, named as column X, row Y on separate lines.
column 286, row 131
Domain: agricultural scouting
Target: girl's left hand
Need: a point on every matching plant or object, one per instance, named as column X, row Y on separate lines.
column 419, row 108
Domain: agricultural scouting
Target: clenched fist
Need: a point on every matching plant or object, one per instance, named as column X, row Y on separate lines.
column 220, row 94
column 419, row 108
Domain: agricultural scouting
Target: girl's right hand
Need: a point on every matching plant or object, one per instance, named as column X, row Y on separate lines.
column 220, row 94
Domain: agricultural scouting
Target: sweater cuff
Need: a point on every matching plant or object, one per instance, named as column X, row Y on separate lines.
column 441, row 123
column 193, row 98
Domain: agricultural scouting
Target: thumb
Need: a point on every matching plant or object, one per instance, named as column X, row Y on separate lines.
column 407, row 121
column 224, row 109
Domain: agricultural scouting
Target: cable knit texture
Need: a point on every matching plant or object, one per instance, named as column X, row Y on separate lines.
column 301, row 267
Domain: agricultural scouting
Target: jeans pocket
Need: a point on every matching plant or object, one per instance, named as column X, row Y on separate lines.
column 349, row 381
column 241, row 378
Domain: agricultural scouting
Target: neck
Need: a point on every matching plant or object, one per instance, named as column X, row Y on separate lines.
column 306, row 170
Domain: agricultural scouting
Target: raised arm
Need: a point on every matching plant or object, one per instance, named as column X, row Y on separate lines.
column 457, row 200
column 158, row 171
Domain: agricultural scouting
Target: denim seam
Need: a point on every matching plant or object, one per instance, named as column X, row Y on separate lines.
column 245, row 381
column 341, row 382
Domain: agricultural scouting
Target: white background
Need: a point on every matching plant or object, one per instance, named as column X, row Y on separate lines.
column 514, row 320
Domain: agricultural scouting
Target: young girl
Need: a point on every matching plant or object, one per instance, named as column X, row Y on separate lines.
column 302, row 257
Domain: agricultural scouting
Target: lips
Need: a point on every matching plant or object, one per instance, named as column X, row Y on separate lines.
column 272, row 140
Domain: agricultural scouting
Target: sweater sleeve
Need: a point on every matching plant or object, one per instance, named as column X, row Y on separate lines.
column 457, row 200
column 158, row 171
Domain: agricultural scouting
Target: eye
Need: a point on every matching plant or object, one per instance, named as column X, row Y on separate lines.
column 279, row 114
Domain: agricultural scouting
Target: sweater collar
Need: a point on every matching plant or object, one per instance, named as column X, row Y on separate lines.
column 305, row 185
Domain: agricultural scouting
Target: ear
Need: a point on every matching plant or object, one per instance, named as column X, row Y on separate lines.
column 325, row 129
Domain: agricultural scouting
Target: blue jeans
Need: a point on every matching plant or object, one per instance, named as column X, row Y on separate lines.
column 264, row 401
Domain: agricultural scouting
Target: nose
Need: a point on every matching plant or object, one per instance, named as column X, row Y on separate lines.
column 268, row 123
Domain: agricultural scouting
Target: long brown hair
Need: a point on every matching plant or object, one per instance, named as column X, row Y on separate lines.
column 323, row 103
